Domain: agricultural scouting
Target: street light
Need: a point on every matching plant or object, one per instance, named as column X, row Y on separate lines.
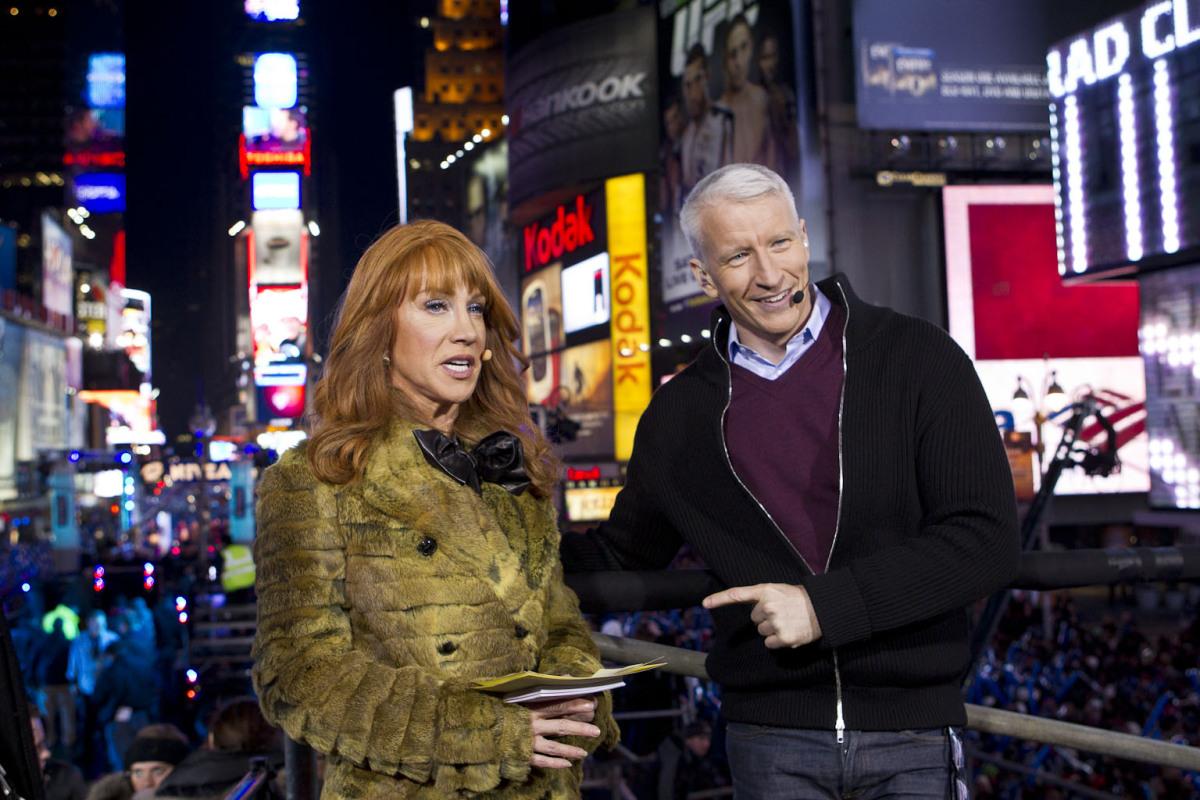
column 1045, row 404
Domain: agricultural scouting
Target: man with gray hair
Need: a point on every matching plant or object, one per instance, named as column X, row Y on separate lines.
column 837, row 466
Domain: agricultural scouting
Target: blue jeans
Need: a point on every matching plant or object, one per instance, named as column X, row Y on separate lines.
column 800, row 764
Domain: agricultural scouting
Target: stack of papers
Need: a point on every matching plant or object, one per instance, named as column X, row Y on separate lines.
column 523, row 687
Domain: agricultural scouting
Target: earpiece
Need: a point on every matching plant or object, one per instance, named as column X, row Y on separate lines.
column 486, row 355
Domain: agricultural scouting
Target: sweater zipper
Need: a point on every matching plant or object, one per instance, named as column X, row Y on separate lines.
column 839, row 723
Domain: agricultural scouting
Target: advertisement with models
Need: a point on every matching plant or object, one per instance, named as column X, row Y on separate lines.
column 730, row 93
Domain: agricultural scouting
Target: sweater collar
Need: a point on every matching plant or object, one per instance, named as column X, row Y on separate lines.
column 863, row 319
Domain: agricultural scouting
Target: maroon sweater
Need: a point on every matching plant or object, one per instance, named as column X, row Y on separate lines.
column 765, row 416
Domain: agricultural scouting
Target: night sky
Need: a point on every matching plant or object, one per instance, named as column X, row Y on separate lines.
column 184, row 114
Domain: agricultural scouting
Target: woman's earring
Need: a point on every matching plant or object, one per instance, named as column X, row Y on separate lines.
column 486, row 355
column 387, row 361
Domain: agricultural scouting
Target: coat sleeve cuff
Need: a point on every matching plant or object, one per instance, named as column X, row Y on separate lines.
column 839, row 607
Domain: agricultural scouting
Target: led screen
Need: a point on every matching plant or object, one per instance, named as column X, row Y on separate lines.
column 277, row 247
column 221, row 450
column 1124, row 138
column 1170, row 345
column 100, row 192
column 95, row 130
column 134, row 334
column 276, row 80
column 578, row 383
column 279, row 318
column 541, row 313
column 1023, row 326
column 280, row 402
column 275, row 190
column 979, row 68
column 280, row 391
column 272, row 10
column 585, row 294
column 106, row 80
column 58, row 271
column 275, row 130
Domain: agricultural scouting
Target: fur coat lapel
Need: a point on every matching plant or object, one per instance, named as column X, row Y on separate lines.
column 505, row 540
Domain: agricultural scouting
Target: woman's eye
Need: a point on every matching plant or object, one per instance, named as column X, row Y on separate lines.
column 435, row 305
column 478, row 309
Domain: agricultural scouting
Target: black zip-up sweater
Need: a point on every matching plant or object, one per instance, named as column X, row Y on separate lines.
column 927, row 525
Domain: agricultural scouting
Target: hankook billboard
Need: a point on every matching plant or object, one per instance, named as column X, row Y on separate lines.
column 583, row 103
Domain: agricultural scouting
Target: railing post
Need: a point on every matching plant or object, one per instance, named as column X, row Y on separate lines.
column 300, row 764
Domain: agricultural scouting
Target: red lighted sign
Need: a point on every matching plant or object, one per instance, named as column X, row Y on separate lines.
column 571, row 229
column 86, row 160
column 592, row 474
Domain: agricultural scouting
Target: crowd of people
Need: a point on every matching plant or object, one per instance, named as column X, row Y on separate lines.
column 1108, row 673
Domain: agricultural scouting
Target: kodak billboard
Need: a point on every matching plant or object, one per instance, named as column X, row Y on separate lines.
column 625, row 198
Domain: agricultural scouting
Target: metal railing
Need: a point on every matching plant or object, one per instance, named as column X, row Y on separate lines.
column 606, row 592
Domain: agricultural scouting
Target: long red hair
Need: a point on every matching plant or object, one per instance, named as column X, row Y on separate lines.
column 354, row 399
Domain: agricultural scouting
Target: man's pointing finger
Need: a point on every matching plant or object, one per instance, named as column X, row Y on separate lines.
column 738, row 594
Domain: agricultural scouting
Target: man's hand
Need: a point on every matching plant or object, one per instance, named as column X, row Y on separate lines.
column 783, row 613
column 560, row 718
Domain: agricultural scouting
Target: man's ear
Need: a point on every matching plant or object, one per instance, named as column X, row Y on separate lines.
column 702, row 278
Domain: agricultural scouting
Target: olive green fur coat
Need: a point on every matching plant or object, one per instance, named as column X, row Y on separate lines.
column 379, row 602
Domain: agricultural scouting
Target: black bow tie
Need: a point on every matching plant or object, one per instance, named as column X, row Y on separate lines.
column 498, row 458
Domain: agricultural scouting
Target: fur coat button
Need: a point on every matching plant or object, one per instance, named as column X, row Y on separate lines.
column 520, row 632
column 427, row 546
column 446, row 648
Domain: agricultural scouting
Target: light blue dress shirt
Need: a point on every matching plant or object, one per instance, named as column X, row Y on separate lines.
column 797, row 346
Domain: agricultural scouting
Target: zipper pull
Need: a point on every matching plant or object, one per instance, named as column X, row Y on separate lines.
column 840, row 725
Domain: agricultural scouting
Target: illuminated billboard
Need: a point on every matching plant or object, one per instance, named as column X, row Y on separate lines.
column 275, row 190
column 585, row 294
column 130, row 417
column 106, row 80
column 95, row 131
column 278, row 248
column 279, row 319
column 280, row 390
column 1025, row 328
column 100, row 192
column 578, row 383
column 625, row 198
column 275, row 130
column 1124, row 141
column 733, row 88
column 276, row 80
column 273, row 10
column 134, row 334
column 979, row 69
column 1170, row 346
column 58, row 271
column 583, row 100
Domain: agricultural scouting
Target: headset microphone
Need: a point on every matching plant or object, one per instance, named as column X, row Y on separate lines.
column 798, row 297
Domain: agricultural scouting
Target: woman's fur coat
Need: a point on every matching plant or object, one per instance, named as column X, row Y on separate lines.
column 379, row 602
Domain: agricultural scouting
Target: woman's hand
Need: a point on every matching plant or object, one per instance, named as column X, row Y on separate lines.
column 560, row 718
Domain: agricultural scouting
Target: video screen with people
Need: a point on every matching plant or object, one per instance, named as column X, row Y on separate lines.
column 275, row 130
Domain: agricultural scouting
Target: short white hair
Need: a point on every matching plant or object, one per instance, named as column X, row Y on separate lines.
column 735, row 183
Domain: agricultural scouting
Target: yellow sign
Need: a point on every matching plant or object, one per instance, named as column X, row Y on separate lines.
column 889, row 178
column 590, row 505
column 625, row 198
